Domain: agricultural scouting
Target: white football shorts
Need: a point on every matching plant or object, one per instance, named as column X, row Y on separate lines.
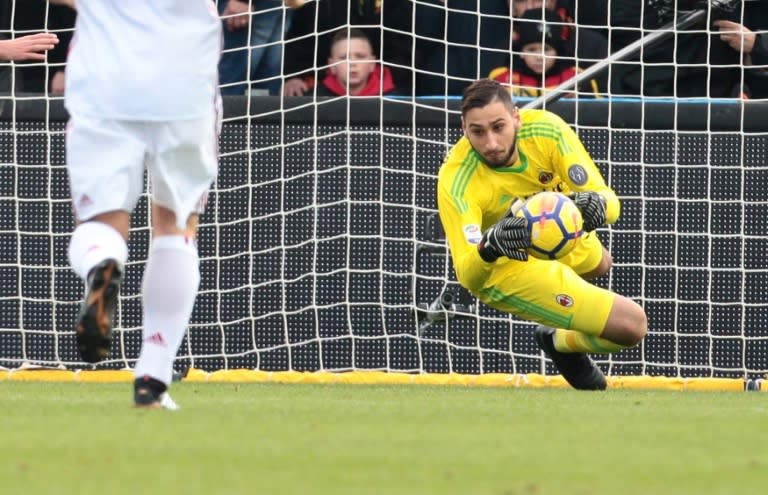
column 106, row 160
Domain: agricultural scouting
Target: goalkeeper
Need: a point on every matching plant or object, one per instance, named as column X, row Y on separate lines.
column 508, row 154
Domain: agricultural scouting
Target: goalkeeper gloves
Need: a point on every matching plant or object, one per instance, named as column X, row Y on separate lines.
column 592, row 208
column 508, row 237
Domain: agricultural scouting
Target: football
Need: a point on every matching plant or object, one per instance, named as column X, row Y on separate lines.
column 554, row 222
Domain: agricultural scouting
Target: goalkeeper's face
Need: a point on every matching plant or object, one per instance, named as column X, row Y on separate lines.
column 492, row 132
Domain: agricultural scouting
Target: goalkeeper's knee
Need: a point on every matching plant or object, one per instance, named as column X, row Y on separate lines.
column 627, row 323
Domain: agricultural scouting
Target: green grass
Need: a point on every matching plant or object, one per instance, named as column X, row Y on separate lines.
column 80, row 438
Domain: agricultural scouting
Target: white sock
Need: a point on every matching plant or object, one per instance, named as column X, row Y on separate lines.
column 92, row 243
column 171, row 280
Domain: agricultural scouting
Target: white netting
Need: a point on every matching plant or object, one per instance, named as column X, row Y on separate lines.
column 320, row 248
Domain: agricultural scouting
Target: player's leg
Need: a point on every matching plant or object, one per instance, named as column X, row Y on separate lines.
column 624, row 327
column 182, row 170
column 105, row 163
column 553, row 295
column 97, row 252
column 169, row 289
column 606, row 261
column 574, row 315
column 589, row 258
column 625, row 324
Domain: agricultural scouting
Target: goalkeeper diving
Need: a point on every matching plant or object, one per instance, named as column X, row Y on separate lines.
column 505, row 156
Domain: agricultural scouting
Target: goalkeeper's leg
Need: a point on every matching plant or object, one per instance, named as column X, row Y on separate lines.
column 587, row 318
column 625, row 327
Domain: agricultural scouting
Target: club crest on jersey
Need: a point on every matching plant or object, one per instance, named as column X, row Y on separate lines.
column 564, row 300
column 472, row 233
column 578, row 174
column 545, row 177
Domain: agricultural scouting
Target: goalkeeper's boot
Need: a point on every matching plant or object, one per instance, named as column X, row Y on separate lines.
column 576, row 367
column 93, row 330
column 149, row 393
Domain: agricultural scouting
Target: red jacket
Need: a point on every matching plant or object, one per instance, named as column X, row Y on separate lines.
column 374, row 87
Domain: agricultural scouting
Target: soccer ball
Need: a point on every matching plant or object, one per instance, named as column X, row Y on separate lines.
column 554, row 222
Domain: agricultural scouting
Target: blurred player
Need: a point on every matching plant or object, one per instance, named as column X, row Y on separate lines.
column 141, row 90
column 508, row 154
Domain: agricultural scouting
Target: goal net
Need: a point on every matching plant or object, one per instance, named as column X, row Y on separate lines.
column 321, row 249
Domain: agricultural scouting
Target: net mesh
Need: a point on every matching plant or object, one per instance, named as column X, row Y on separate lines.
column 321, row 250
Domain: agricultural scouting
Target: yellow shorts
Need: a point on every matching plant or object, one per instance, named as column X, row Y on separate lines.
column 552, row 292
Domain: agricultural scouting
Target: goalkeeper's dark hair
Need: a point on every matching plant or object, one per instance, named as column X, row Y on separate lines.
column 483, row 92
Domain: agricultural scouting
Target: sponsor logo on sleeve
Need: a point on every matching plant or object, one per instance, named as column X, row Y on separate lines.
column 578, row 175
column 472, row 233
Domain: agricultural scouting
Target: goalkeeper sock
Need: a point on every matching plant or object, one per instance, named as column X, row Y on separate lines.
column 92, row 243
column 171, row 280
column 573, row 341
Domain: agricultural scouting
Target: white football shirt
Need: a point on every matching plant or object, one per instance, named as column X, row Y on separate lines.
column 144, row 59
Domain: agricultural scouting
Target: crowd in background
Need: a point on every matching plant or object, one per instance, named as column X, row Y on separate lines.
column 437, row 47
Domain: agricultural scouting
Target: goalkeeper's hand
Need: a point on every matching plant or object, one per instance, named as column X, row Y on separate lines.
column 592, row 208
column 508, row 237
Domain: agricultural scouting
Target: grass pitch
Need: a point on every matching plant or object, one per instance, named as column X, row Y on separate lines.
column 83, row 438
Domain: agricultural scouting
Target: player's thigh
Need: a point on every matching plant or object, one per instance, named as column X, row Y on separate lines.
column 549, row 293
column 586, row 255
column 105, row 163
column 183, row 165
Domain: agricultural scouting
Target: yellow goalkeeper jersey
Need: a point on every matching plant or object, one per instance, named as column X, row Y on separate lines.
column 472, row 196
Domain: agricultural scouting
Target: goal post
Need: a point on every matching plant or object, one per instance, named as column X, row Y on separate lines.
column 321, row 250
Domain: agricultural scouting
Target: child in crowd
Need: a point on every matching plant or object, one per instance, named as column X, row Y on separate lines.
column 542, row 60
column 353, row 68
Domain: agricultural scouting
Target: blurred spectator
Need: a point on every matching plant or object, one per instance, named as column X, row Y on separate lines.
column 459, row 41
column 353, row 69
column 518, row 7
column 754, row 46
column 542, row 58
column 690, row 63
column 388, row 26
column 592, row 14
column 30, row 16
column 254, row 32
column 751, row 43
column 585, row 35
column 29, row 47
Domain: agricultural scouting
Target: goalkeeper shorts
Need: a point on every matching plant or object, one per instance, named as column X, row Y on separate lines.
column 552, row 292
